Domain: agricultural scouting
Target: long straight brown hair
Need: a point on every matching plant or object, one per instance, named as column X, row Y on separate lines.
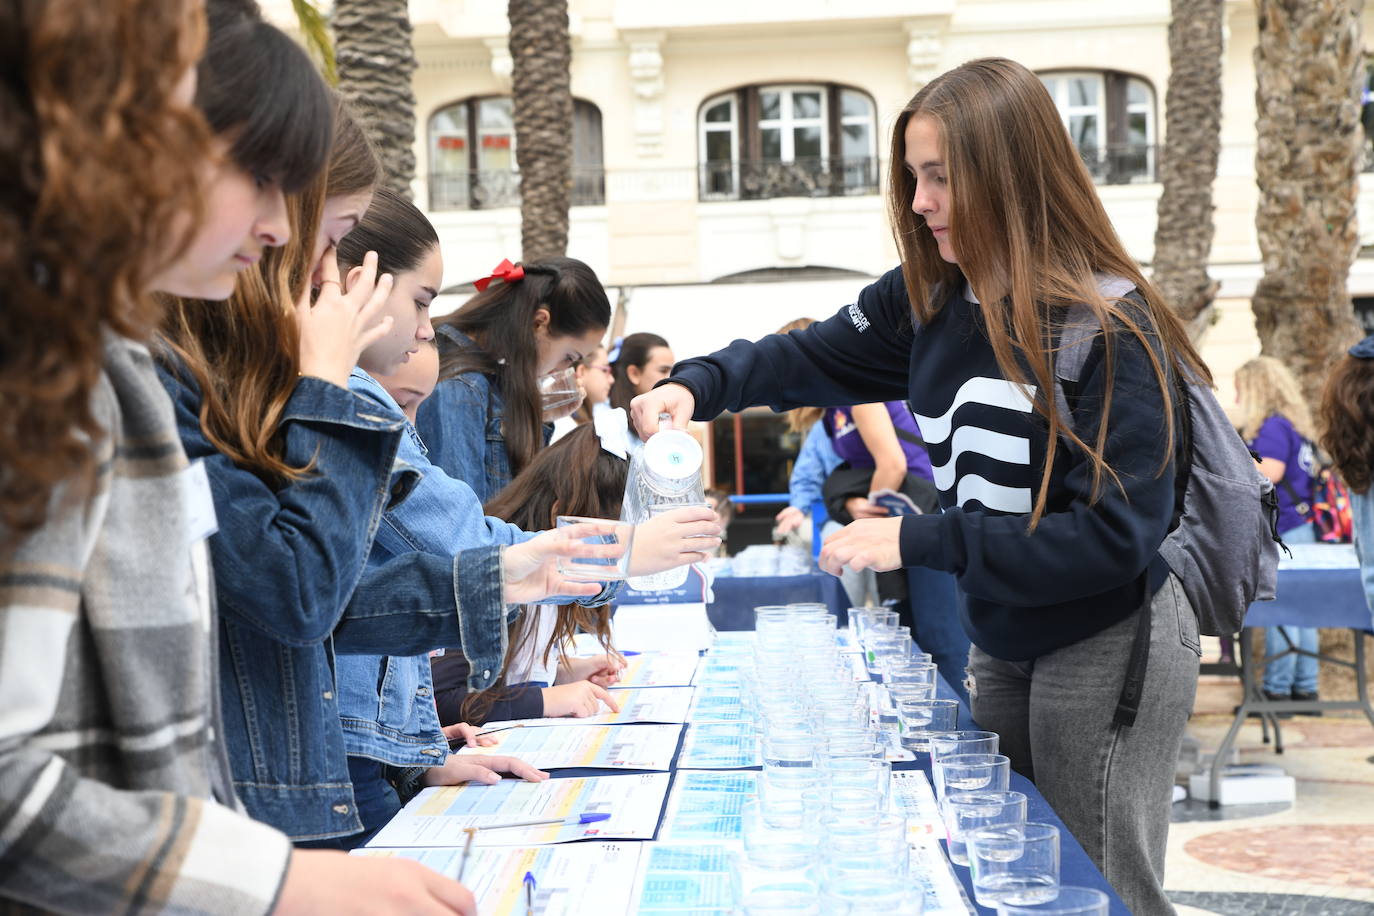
column 1031, row 234
column 245, row 354
column 573, row 476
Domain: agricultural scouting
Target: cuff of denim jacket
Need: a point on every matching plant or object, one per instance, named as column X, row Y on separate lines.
column 479, row 592
column 315, row 400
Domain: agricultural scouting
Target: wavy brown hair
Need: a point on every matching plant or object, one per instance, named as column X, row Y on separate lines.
column 1347, row 420
column 100, row 164
column 573, row 476
column 245, row 354
column 1030, row 233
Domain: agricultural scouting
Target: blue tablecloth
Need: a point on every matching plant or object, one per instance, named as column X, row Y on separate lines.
column 736, row 597
column 1314, row 598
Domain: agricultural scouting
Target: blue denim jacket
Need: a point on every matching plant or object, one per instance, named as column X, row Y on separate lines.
column 447, row 418
column 289, row 568
column 386, row 702
column 815, row 461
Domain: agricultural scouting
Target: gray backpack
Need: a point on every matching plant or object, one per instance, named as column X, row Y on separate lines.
column 1224, row 545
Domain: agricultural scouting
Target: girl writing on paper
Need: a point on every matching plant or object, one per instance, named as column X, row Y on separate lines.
column 1051, row 523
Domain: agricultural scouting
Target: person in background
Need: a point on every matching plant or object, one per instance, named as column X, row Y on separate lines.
column 1052, row 524
column 485, row 420
column 718, row 499
column 1277, row 425
column 413, row 380
column 638, row 363
column 882, row 450
column 594, row 375
column 1347, row 418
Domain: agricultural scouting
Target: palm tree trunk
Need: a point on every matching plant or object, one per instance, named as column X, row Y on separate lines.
column 375, row 56
column 1188, row 162
column 1309, row 69
column 541, row 84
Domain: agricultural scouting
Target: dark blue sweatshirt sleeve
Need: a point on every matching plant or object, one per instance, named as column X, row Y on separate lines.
column 1078, row 549
column 859, row 355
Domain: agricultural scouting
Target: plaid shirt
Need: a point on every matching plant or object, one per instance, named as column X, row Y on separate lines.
column 114, row 795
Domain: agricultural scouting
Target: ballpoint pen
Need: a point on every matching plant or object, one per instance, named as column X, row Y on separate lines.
column 467, row 848
column 590, row 817
column 529, row 894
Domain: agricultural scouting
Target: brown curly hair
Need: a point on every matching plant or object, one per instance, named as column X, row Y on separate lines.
column 1347, row 421
column 100, row 164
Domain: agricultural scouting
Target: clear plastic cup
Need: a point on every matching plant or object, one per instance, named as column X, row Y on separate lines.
column 871, row 895
column 1072, row 901
column 1014, row 864
column 922, row 718
column 965, row 812
column 617, row 536
column 972, row 773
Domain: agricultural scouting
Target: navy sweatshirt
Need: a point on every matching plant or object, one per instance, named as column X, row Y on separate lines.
column 1023, row 594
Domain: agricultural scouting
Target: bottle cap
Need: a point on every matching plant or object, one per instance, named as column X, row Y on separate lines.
column 673, row 454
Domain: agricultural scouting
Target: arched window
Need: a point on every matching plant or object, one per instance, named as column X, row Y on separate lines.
column 1111, row 118
column 787, row 141
column 472, row 155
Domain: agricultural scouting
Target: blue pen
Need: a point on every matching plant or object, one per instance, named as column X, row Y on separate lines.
column 590, row 817
column 529, row 894
column 627, row 653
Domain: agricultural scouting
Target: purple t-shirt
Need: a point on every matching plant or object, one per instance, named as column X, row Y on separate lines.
column 849, row 445
column 1280, row 440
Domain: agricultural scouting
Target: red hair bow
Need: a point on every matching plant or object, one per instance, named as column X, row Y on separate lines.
column 506, row 272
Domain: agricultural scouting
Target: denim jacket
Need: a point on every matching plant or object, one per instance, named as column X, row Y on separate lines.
column 289, row 566
column 386, row 702
column 459, row 405
column 815, row 461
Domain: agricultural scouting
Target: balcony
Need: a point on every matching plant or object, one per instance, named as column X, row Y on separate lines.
column 1133, row 163
column 491, row 190
column 833, row 176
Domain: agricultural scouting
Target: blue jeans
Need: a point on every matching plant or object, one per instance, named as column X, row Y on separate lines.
column 1293, row 672
column 935, row 623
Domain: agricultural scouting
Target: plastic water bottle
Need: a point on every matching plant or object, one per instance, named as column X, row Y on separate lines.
column 665, row 474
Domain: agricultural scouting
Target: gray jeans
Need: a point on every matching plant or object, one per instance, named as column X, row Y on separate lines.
column 1112, row 786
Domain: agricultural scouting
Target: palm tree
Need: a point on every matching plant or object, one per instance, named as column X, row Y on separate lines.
column 1309, row 70
column 541, row 85
column 376, row 59
column 1188, row 162
column 315, row 33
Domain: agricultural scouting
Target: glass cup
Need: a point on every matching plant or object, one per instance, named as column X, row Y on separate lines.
column 972, row 773
column 854, row 847
column 967, row 811
column 922, row 718
column 1014, row 864
column 965, row 741
column 559, row 390
column 856, row 773
column 610, row 561
column 871, row 894
column 771, row 901
column 1072, row 901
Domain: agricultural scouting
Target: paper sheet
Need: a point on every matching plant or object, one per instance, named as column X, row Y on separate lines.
column 630, row 747
column 705, row 806
column 914, row 799
column 438, row 816
column 944, row 894
column 659, row 669
column 721, row 671
column 719, row 747
column 722, row 705
column 647, row 704
column 571, row 880
column 685, row 880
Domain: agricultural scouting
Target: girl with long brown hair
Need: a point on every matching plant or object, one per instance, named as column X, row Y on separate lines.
column 1051, row 522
